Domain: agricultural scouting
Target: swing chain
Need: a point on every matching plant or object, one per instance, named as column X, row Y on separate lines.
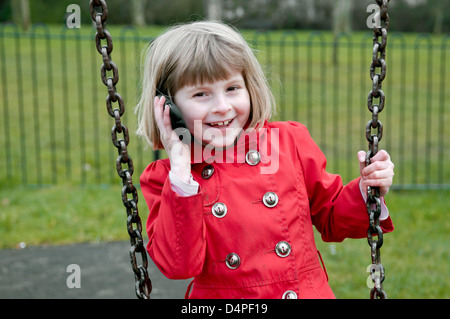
column 99, row 14
column 373, row 193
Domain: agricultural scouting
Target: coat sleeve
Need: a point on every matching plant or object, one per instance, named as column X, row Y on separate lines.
column 337, row 211
column 175, row 225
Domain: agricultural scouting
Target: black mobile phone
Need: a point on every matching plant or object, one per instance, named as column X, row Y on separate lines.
column 176, row 119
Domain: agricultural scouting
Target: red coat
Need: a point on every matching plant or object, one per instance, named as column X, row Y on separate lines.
column 256, row 244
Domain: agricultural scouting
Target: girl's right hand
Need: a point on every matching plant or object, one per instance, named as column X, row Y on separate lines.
column 178, row 152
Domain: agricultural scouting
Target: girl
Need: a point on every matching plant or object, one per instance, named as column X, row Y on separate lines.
column 234, row 203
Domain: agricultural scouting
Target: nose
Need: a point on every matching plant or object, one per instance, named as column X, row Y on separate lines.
column 221, row 105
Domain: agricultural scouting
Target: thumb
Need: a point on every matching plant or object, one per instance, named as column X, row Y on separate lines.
column 362, row 160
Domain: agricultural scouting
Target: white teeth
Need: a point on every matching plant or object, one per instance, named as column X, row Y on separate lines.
column 220, row 123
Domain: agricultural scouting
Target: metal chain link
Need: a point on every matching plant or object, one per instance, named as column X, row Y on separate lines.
column 373, row 193
column 124, row 163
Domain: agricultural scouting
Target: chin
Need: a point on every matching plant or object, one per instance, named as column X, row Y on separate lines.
column 220, row 144
column 223, row 140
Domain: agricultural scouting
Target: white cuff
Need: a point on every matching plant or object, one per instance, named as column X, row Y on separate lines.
column 181, row 187
column 384, row 210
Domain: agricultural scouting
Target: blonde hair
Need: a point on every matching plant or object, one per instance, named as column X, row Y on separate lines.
column 199, row 52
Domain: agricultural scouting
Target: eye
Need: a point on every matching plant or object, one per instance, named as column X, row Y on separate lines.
column 233, row 88
column 200, row 94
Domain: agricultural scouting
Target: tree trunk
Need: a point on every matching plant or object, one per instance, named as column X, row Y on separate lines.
column 21, row 13
column 342, row 16
column 214, row 9
column 138, row 13
column 342, row 21
column 439, row 17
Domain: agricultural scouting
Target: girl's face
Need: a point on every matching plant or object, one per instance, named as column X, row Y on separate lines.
column 215, row 113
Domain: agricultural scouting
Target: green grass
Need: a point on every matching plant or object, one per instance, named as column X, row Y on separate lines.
column 415, row 255
column 60, row 215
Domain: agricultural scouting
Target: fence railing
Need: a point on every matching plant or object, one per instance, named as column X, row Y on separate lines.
column 55, row 129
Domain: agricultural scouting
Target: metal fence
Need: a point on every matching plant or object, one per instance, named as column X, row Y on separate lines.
column 55, row 128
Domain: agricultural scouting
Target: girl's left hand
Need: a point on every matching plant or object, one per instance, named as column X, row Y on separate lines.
column 379, row 173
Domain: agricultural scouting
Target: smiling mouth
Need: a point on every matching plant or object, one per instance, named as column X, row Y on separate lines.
column 220, row 124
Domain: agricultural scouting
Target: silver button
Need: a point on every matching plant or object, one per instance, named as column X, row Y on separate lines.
column 283, row 249
column 219, row 210
column 253, row 157
column 233, row 261
column 289, row 294
column 270, row 199
column 207, row 171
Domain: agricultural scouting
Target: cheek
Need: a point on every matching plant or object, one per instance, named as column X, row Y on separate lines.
column 246, row 102
column 193, row 116
column 244, row 109
column 195, row 127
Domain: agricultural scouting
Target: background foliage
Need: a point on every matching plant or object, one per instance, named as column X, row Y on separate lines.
column 406, row 15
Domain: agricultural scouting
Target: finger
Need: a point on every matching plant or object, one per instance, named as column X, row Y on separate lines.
column 166, row 118
column 168, row 133
column 158, row 107
column 381, row 179
column 378, row 166
column 379, row 161
column 382, row 183
column 387, row 174
column 382, row 186
column 166, row 114
column 381, row 155
column 362, row 160
column 162, row 116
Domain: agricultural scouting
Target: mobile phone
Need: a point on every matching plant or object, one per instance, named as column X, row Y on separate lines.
column 176, row 119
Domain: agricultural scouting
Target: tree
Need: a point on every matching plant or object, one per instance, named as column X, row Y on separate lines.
column 21, row 13
column 138, row 12
column 438, row 6
column 214, row 9
column 342, row 21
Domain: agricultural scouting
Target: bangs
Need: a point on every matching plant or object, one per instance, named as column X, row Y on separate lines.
column 207, row 59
